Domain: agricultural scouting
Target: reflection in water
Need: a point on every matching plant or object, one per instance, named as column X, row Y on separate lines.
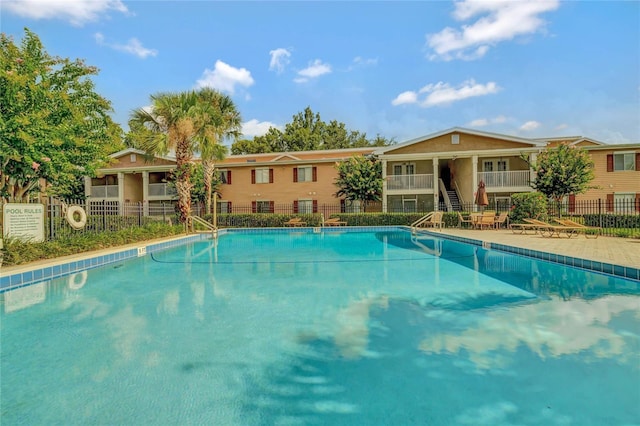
column 425, row 365
column 317, row 329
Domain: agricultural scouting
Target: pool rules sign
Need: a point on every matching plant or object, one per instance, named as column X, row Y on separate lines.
column 24, row 222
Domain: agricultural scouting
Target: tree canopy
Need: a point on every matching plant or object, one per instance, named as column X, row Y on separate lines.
column 307, row 132
column 359, row 178
column 53, row 125
column 562, row 171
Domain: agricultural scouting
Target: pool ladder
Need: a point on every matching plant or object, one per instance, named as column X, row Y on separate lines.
column 192, row 220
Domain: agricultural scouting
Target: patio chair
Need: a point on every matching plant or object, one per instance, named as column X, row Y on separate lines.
column 588, row 231
column 502, row 219
column 295, row 221
column 334, row 221
column 486, row 220
column 462, row 220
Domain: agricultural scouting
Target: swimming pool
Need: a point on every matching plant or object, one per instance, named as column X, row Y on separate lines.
column 339, row 328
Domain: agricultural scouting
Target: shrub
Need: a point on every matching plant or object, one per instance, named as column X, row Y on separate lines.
column 528, row 205
column 16, row 252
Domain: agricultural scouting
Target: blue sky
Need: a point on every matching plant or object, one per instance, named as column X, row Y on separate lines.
column 398, row 69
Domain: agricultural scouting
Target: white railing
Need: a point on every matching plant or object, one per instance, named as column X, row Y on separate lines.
column 517, row 178
column 104, row 191
column 404, row 182
column 161, row 190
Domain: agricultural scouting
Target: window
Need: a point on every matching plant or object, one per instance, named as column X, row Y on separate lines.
column 305, row 206
column 262, row 175
column 224, row 176
column 624, row 202
column 224, row 206
column 262, row 206
column 305, row 174
column 624, row 161
column 487, row 166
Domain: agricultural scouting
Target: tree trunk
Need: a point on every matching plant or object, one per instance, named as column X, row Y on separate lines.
column 208, row 167
column 183, row 179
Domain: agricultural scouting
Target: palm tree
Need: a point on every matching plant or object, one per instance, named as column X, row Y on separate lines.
column 217, row 119
column 169, row 125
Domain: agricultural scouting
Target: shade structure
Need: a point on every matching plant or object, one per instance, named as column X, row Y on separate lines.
column 481, row 195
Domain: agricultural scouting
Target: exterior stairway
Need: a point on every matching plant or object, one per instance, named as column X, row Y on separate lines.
column 455, row 201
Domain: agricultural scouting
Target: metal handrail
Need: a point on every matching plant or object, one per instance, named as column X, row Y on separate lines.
column 201, row 221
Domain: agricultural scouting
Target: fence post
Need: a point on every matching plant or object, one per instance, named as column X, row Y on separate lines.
column 600, row 212
column 139, row 213
column 104, row 215
column 51, row 212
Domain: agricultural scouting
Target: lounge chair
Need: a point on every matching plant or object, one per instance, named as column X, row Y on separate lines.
column 334, row 221
column 462, row 220
column 588, row 231
column 549, row 230
column 524, row 228
column 295, row 221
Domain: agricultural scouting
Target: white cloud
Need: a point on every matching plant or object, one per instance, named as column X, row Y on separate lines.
column 442, row 93
column 315, row 69
column 481, row 122
column 407, row 97
column 359, row 62
column 133, row 46
column 498, row 21
column 225, row 78
column 76, row 12
column 256, row 128
column 279, row 59
column 530, row 125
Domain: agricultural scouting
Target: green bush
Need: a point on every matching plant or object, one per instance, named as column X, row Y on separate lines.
column 16, row 252
column 528, row 205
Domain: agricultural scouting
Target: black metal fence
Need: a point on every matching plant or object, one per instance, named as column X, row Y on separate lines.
column 611, row 215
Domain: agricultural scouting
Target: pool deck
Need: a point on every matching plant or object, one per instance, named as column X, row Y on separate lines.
column 617, row 251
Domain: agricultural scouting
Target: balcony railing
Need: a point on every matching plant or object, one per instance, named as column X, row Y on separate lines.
column 407, row 182
column 104, row 191
column 518, row 178
column 161, row 190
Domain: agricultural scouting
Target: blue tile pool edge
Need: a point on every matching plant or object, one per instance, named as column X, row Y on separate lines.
column 32, row 276
column 22, row 279
column 590, row 265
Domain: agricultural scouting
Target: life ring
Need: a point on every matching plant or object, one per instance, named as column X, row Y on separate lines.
column 73, row 282
column 76, row 223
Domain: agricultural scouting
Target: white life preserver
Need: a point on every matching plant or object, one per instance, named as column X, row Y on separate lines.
column 76, row 223
column 74, row 284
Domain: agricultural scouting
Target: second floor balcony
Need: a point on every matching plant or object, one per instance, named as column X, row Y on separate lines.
column 505, row 179
column 409, row 182
column 162, row 190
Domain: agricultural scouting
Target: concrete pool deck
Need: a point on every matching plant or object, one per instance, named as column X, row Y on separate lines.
column 617, row 251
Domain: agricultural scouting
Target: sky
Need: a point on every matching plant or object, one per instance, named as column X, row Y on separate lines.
column 400, row 70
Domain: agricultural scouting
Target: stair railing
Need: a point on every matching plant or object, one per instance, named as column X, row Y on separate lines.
column 443, row 190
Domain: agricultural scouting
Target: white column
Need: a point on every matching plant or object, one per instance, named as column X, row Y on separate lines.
column 436, row 185
column 532, row 172
column 384, row 186
column 474, row 176
column 145, row 193
column 121, row 192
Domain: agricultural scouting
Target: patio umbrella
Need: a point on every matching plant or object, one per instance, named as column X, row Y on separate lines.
column 481, row 196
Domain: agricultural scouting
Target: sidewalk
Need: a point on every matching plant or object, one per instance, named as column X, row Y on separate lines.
column 618, row 251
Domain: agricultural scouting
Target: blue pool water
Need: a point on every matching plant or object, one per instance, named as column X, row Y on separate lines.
column 340, row 328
